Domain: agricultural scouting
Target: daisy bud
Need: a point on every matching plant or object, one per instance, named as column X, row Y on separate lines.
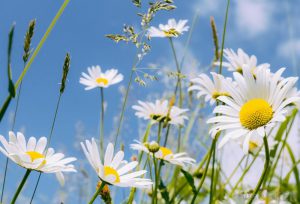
column 153, row 147
column 104, row 193
column 66, row 68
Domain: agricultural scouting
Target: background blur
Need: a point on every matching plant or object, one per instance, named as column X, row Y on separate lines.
column 268, row 29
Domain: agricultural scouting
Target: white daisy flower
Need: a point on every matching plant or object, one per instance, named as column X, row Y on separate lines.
column 256, row 143
column 237, row 60
column 160, row 111
column 164, row 153
column 33, row 155
column 256, row 103
column 172, row 29
column 111, row 171
column 96, row 78
column 211, row 90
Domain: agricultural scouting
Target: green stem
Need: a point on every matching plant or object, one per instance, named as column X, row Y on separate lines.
column 159, row 132
column 97, row 192
column 213, row 144
column 234, row 171
column 12, row 128
column 223, row 36
column 263, row 176
column 102, row 122
column 211, row 194
column 48, row 143
column 154, row 196
column 20, row 186
column 244, row 174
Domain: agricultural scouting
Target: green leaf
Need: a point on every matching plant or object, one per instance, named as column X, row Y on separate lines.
column 190, row 179
column 11, row 86
column 164, row 191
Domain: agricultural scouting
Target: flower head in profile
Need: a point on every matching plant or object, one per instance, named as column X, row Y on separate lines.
column 163, row 153
column 211, row 90
column 236, row 61
column 160, row 111
column 96, row 78
column 172, row 29
column 256, row 104
column 33, row 155
column 256, row 143
column 112, row 171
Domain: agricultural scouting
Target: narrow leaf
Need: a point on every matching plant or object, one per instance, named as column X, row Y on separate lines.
column 190, row 179
column 11, row 86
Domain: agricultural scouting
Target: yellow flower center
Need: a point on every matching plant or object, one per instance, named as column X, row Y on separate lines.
column 111, row 171
column 252, row 146
column 216, row 94
column 36, row 155
column 165, row 151
column 255, row 113
column 101, row 80
column 171, row 32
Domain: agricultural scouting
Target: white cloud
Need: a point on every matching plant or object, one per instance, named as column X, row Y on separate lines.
column 253, row 17
column 289, row 48
column 207, row 7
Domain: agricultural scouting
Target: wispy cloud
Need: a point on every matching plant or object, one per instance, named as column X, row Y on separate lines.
column 253, row 17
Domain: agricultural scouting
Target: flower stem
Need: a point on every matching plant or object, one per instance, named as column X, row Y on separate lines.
column 20, row 186
column 102, row 121
column 211, row 193
column 206, row 169
column 97, row 192
column 154, row 195
column 263, row 176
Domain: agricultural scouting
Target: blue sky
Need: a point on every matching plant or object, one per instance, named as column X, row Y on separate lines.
column 268, row 29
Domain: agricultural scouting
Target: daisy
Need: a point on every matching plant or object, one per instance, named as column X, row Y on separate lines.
column 256, row 103
column 237, row 60
column 211, row 90
column 33, row 155
column 256, row 143
column 160, row 111
column 172, row 29
column 111, row 171
column 164, row 153
column 96, row 78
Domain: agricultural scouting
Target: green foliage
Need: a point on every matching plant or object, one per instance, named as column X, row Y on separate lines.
column 190, row 179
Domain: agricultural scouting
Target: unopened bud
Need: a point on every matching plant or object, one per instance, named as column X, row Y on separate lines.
column 153, row 147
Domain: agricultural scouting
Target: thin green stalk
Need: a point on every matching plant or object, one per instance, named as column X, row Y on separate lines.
column 48, row 144
column 263, row 176
column 295, row 169
column 102, row 122
column 213, row 144
column 12, row 128
column 234, row 171
column 159, row 132
column 20, row 186
column 97, row 193
column 133, row 69
column 35, row 53
column 223, row 36
column 244, row 174
column 211, row 193
column 154, row 196
column 281, row 149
